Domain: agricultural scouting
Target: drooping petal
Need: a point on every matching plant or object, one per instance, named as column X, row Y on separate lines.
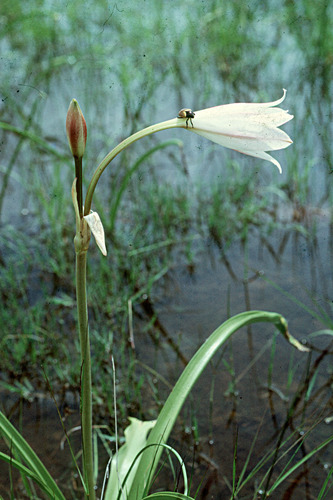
column 252, row 140
column 264, row 156
column 249, row 128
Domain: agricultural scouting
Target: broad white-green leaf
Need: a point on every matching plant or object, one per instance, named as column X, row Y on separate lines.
column 136, row 439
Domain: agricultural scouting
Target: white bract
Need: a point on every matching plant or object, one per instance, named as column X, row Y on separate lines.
column 96, row 227
column 249, row 128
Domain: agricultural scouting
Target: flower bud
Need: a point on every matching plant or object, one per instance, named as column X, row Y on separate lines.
column 76, row 129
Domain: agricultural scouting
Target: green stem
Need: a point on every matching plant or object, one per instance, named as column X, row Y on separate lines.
column 86, row 401
column 78, row 175
column 81, row 246
column 174, row 123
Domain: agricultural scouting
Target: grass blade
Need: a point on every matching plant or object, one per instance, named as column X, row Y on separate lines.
column 27, row 473
column 15, row 439
column 283, row 477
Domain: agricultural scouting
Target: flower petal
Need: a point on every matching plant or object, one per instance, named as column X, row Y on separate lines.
column 244, row 107
column 260, row 139
column 264, row 156
column 249, row 128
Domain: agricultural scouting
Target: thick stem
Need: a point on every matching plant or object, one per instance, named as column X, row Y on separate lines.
column 174, row 123
column 86, row 400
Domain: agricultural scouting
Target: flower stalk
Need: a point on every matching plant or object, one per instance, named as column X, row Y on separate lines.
column 86, row 385
column 251, row 129
column 81, row 243
column 78, row 177
column 76, row 131
column 173, row 123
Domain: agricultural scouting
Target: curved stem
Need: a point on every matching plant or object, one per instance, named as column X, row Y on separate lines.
column 82, row 242
column 174, row 123
column 129, row 173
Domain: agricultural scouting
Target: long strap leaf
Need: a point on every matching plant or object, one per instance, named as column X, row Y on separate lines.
column 185, row 383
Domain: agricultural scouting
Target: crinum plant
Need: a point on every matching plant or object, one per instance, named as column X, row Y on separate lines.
column 251, row 129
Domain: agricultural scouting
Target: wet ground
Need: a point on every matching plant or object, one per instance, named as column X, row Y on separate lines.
column 291, row 275
column 238, row 395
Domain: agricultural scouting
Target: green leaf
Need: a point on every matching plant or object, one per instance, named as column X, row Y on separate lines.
column 292, row 469
column 35, row 466
column 44, row 145
column 167, row 495
column 26, row 472
column 185, row 383
column 136, row 439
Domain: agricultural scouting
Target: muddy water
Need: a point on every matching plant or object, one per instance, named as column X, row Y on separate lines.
column 232, row 398
column 235, row 399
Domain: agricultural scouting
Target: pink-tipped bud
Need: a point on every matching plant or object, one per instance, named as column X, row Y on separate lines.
column 76, row 129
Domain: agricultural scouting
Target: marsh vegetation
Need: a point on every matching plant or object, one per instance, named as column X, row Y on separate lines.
column 195, row 234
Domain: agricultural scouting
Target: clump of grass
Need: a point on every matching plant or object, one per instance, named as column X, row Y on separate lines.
column 233, row 206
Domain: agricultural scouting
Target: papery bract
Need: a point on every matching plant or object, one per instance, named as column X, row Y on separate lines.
column 249, row 128
column 96, row 227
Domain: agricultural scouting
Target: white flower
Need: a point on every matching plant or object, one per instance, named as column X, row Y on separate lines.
column 251, row 129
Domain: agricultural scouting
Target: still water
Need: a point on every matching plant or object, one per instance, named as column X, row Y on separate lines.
column 241, row 397
column 238, row 395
